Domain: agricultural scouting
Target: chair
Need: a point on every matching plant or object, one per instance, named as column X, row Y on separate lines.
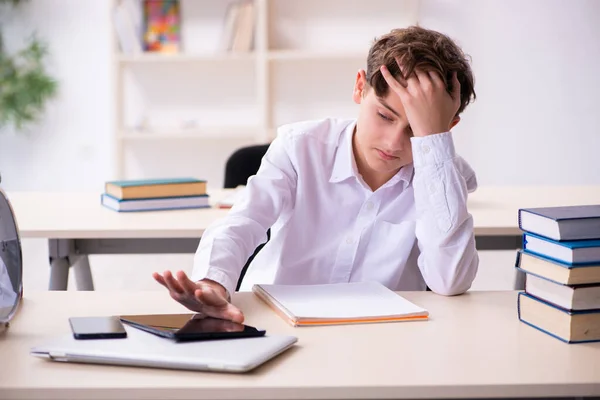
column 240, row 166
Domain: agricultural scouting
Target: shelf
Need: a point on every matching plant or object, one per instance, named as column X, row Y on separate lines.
column 241, row 97
column 291, row 55
column 184, row 58
column 212, row 132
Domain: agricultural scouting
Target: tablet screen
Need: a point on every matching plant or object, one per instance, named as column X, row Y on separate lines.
column 190, row 325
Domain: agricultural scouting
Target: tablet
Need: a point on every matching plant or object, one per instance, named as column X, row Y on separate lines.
column 188, row 327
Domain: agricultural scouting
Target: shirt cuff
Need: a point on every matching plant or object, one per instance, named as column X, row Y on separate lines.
column 432, row 149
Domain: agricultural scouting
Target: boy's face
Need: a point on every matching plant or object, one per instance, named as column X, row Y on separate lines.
column 382, row 140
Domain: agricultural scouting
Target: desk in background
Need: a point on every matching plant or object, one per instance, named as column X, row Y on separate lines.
column 473, row 346
column 76, row 225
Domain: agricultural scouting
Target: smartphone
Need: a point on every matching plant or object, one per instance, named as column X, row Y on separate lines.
column 190, row 327
column 97, row 328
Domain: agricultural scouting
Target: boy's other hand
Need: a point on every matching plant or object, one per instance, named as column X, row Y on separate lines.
column 429, row 108
column 205, row 296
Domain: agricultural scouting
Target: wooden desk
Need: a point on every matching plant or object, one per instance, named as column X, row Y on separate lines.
column 472, row 347
column 77, row 225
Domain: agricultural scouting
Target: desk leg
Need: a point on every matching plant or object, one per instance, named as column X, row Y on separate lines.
column 83, row 272
column 59, row 273
column 59, row 251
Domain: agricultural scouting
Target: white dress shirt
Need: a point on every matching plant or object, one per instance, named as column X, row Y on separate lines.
column 328, row 226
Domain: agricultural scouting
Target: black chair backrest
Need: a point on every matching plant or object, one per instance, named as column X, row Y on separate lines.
column 242, row 164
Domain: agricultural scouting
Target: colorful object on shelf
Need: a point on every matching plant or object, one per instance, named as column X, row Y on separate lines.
column 162, row 26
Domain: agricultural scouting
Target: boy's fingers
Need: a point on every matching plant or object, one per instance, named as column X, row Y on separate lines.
column 391, row 81
column 235, row 314
column 172, row 284
column 436, row 79
column 158, row 278
column 186, row 283
column 422, row 77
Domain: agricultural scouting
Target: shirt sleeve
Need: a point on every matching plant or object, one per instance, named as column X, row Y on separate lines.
column 448, row 257
column 227, row 244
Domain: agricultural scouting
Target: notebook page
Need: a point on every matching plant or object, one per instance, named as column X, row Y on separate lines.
column 347, row 300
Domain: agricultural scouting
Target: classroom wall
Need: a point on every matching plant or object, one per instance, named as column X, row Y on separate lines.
column 70, row 147
column 535, row 120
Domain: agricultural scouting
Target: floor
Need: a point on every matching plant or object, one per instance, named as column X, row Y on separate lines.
column 134, row 272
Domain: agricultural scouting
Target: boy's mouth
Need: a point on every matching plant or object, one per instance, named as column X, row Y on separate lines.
column 385, row 156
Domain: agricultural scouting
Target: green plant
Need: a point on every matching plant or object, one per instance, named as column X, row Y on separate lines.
column 25, row 86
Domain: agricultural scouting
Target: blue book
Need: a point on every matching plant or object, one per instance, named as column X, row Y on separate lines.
column 557, row 271
column 583, row 252
column 568, row 297
column 170, row 203
column 562, row 223
column 565, row 325
column 155, row 188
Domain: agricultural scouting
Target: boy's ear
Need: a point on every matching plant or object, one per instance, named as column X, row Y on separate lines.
column 455, row 121
column 359, row 86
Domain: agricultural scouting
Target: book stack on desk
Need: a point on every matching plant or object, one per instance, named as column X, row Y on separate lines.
column 155, row 194
column 561, row 260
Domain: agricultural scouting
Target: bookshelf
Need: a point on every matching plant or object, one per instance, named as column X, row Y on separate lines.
column 205, row 102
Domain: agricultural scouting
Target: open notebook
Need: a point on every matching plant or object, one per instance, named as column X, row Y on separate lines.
column 345, row 303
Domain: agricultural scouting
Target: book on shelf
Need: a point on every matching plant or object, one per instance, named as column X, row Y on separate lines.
column 162, row 26
column 155, row 188
column 562, row 223
column 568, row 297
column 169, row 203
column 239, row 27
column 557, row 271
column 567, row 251
column 566, row 325
column 337, row 304
column 127, row 27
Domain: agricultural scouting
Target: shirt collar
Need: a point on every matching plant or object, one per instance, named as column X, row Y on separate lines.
column 344, row 164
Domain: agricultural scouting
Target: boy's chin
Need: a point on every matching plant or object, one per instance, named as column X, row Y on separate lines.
column 386, row 167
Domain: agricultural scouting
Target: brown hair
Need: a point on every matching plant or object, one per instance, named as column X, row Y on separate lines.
column 419, row 48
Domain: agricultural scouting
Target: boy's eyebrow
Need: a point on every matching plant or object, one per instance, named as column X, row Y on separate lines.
column 386, row 105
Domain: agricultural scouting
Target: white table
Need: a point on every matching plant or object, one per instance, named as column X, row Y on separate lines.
column 77, row 225
column 473, row 346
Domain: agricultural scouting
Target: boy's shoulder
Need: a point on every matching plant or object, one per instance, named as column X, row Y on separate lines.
column 325, row 130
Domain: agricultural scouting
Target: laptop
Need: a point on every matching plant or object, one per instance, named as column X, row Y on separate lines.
column 144, row 349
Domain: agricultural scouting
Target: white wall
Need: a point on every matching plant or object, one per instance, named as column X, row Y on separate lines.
column 70, row 148
column 536, row 120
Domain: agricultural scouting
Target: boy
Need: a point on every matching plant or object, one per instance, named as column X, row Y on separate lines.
column 382, row 197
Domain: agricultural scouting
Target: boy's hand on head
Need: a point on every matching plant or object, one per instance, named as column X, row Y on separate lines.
column 205, row 296
column 428, row 106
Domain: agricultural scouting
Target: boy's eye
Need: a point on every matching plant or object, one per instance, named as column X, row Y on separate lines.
column 384, row 117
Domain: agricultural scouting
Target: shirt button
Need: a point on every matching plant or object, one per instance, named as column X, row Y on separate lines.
column 369, row 205
column 349, row 240
column 425, row 149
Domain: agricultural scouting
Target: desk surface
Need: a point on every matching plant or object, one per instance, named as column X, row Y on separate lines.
column 473, row 346
column 80, row 215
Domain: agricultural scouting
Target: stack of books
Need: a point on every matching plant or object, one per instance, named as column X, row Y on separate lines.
column 561, row 262
column 155, row 194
